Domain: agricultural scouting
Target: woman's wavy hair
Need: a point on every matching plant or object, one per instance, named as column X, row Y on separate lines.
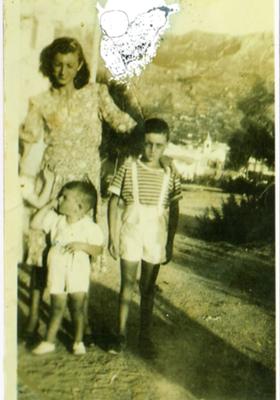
column 64, row 45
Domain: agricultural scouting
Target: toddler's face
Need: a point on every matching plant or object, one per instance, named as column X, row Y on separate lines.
column 65, row 67
column 68, row 203
column 154, row 146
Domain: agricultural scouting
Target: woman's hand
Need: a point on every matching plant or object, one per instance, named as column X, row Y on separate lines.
column 167, row 162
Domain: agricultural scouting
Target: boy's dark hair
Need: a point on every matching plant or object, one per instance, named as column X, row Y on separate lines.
column 156, row 125
column 87, row 193
column 137, row 136
column 64, row 45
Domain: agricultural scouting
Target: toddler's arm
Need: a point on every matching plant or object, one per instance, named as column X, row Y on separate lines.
column 112, row 222
column 172, row 227
column 39, row 217
column 90, row 249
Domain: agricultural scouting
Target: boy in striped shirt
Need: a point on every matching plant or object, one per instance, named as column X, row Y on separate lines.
column 149, row 221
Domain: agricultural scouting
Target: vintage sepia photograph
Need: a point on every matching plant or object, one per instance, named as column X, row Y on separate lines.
column 140, row 174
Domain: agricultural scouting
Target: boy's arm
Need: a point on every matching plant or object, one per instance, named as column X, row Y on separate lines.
column 112, row 223
column 37, row 221
column 172, row 227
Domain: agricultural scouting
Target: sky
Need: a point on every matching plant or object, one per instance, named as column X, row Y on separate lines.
column 235, row 17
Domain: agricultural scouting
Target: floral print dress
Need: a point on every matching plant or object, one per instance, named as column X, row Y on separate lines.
column 71, row 128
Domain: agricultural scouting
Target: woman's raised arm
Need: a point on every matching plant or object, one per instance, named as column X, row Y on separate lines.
column 121, row 121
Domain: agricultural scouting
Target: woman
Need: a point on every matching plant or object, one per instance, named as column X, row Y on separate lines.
column 68, row 116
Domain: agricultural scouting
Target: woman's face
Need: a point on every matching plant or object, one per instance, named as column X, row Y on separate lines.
column 65, row 68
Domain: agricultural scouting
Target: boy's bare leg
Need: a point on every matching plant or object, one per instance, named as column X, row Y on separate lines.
column 149, row 273
column 58, row 303
column 77, row 310
column 128, row 279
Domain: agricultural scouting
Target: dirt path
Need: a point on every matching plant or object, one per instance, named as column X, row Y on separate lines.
column 213, row 328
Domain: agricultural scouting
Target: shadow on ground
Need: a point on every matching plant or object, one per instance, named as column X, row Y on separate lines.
column 241, row 273
column 189, row 355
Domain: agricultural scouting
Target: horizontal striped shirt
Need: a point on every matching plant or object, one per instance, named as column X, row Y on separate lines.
column 150, row 182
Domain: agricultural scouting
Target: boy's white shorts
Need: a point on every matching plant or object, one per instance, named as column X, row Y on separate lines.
column 143, row 234
column 68, row 273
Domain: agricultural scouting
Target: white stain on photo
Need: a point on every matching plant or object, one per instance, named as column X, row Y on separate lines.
column 131, row 35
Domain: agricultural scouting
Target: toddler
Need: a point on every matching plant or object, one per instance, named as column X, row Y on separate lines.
column 75, row 237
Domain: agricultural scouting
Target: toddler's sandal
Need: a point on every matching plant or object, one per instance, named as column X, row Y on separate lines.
column 44, row 348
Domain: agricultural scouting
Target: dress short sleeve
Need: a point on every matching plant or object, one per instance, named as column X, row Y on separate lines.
column 32, row 130
column 118, row 119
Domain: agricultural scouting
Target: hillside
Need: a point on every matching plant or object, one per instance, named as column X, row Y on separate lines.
column 196, row 80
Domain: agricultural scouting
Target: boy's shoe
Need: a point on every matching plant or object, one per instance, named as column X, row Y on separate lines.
column 79, row 349
column 88, row 340
column 118, row 346
column 147, row 348
column 44, row 348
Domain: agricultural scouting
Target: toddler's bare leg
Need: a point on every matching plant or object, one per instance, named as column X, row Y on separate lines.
column 58, row 302
column 77, row 311
column 128, row 279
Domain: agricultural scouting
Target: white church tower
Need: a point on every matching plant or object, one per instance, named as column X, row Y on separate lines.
column 207, row 146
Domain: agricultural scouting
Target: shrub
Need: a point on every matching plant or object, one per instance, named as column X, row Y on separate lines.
column 251, row 219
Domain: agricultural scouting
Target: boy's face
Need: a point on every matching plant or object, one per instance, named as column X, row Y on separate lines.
column 154, row 146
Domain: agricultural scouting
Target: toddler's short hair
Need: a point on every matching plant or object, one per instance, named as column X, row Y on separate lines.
column 86, row 192
column 156, row 125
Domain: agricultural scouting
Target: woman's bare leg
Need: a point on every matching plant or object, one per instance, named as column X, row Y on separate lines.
column 36, row 289
column 33, row 318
